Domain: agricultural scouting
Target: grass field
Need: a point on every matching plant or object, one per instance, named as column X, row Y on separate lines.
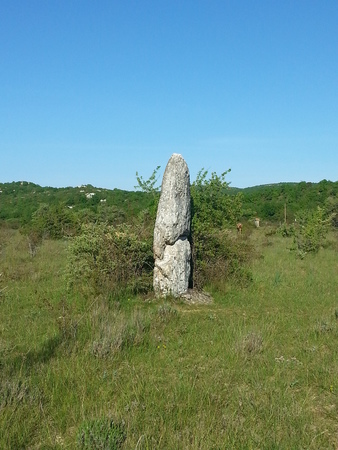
column 257, row 369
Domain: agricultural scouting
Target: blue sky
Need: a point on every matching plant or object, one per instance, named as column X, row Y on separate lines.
column 93, row 91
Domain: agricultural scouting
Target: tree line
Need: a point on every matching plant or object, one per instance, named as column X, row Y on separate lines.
column 22, row 203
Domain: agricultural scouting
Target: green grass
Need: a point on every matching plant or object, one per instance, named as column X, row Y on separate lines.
column 257, row 369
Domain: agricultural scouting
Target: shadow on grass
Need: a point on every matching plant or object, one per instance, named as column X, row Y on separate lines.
column 43, row 355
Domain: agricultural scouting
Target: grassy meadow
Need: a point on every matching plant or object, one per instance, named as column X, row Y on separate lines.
column 256, row 369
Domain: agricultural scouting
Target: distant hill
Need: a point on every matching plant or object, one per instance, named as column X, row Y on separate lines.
column 20, row 200
column 268, row 202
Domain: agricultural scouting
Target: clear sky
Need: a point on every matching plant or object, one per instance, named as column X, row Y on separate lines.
column 93, row 91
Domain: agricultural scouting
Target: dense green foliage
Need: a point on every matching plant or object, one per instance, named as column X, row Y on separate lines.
column 19, row 201
column 312, row 230
column 104, row 258
column 309, row 231
column 212, row 206
column 216, row 254
column 269, row 202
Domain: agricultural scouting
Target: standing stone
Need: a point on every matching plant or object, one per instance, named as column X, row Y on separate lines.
column 172, row 252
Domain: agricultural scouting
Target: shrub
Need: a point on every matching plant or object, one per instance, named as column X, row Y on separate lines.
column 151, row 188
column 331, row 206
column 312, row 231
column 286, row 230
column 216, row 256
column 106, row 258
column 52, row 221
column 212, row 206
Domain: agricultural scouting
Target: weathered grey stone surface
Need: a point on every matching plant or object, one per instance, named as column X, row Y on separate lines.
column 172, row 250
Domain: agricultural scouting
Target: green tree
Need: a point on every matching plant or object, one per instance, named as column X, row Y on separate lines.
column 151, row 188
column 212, row 206
column 214, row 211
column 312, row 231
column 149, row 185
column 54, row 221
column 331, row 206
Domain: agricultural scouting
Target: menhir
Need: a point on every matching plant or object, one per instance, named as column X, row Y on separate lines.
column 172, row 251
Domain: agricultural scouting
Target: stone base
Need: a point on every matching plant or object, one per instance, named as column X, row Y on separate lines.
column 194, row 297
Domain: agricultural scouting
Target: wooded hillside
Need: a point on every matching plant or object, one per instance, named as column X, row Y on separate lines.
column 19, row 201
